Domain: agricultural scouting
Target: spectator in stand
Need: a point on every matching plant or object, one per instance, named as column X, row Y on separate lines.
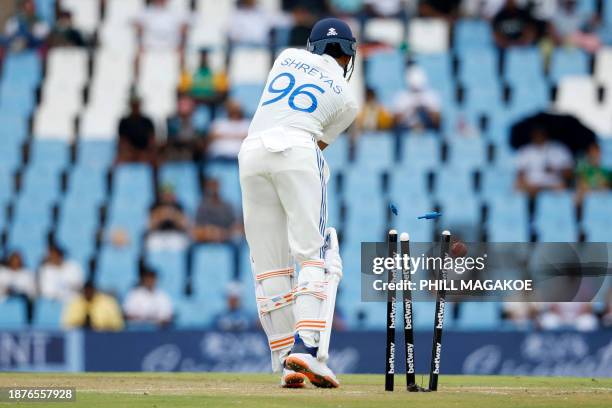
column 147, row 304
column 543, row 164
column 216, row 219
column 226, row 134
column 418, row 107
column 250, row 24
column 446, row 9
column 16, row 279
column 168, row 224
column 59, row 278
column 234, row 318
column 136, row 136
column 185, row 133
column 25, row 30
column 521, row 314
column 385, row 8
column 161, row 27
column 303, row 20
column 575, row 315
column 373, row 115
column 206, row 86
column 590, row 174
column 64, row 34
column 93, row 310
column 513, row 26
column 569, row 26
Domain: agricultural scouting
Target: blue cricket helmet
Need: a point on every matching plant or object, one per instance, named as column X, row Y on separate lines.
column 331, row 31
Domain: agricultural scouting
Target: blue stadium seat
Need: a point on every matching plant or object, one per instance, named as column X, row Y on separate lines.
column 478, row 67
column 375, row 151
column 41, row 184
column 49, row 154
column 596, row 209
column 478, row 315
column 45, row 9
column 472, row 34
column 607, row 13
column 47, row 314
column 507, row 218
column 505, row 157
column 24, row 68
column 13, row 128
column 12, row 314
column 599, row 233
column 6, row 185
column 88, row 183
column 96, row 153
column 421, row 151
column 248, row 95
column 129, row 216
column 496, row 181
column 213, row 268
column 193, row 313
column 134, row 181
column 554, row 218
column 568, row 61
column 229, row 181
column 117, row 270
column 606, row 151
column 411, row 205
column 468, row 153
column 528, row 98
column 359, row 182
column 385, row 74
column 407, row 182
column 461, row 215
column 438, row 70
column 365, row 220
column 454, row 181
column 524, row 65
column 482, row 97
column 171, row 268
column 76, row 232
column 337, row 153
column 184, row 179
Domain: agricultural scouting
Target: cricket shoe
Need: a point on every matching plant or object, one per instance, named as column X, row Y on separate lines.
column 291, row 379
column 318, row 373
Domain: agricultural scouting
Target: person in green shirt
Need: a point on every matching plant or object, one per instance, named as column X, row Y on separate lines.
column 206, row 86
column 590, row 174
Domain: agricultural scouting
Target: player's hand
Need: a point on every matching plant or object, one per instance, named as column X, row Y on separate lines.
column 333, row 261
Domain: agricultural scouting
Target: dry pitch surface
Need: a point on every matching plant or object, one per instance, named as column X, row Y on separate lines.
column 262, row 390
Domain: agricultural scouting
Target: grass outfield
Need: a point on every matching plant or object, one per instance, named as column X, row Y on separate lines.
column 261, row 390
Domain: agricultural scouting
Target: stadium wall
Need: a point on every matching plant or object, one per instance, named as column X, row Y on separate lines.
column 476, row 352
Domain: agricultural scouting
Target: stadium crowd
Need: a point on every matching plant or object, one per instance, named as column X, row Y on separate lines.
column 202, row 122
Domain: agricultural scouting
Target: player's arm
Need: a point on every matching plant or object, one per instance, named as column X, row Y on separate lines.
column 338, row 124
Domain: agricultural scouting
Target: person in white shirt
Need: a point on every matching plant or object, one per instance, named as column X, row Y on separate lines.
column 161, row 27
column 543, row 164
column 226, row 134
column 305, row 105
column 250, row 24
column 418, row 107
column 148, row 304
column 16, row 279
column 59, row 279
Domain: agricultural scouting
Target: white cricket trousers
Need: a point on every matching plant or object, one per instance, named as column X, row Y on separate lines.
column 284, row 207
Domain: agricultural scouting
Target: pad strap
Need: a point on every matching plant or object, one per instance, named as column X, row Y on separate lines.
column 316, row 289
column 281, row 341
column 311, row 324
column 316, row 263
column 268, row 304
column 275, row 273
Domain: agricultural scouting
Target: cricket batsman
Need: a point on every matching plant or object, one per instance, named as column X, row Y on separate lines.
column 295, row 259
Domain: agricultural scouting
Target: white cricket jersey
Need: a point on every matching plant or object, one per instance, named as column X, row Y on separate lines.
column 305, row 92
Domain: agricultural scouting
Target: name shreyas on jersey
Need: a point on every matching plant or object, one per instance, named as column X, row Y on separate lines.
column 313, row 72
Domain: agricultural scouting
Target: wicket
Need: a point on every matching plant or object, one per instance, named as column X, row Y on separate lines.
column 436, row 350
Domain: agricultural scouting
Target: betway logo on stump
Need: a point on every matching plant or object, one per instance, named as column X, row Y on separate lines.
column 392, row 359
column 408, row 316
column 437, row 358
column 440, row 315
column 409, row 358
